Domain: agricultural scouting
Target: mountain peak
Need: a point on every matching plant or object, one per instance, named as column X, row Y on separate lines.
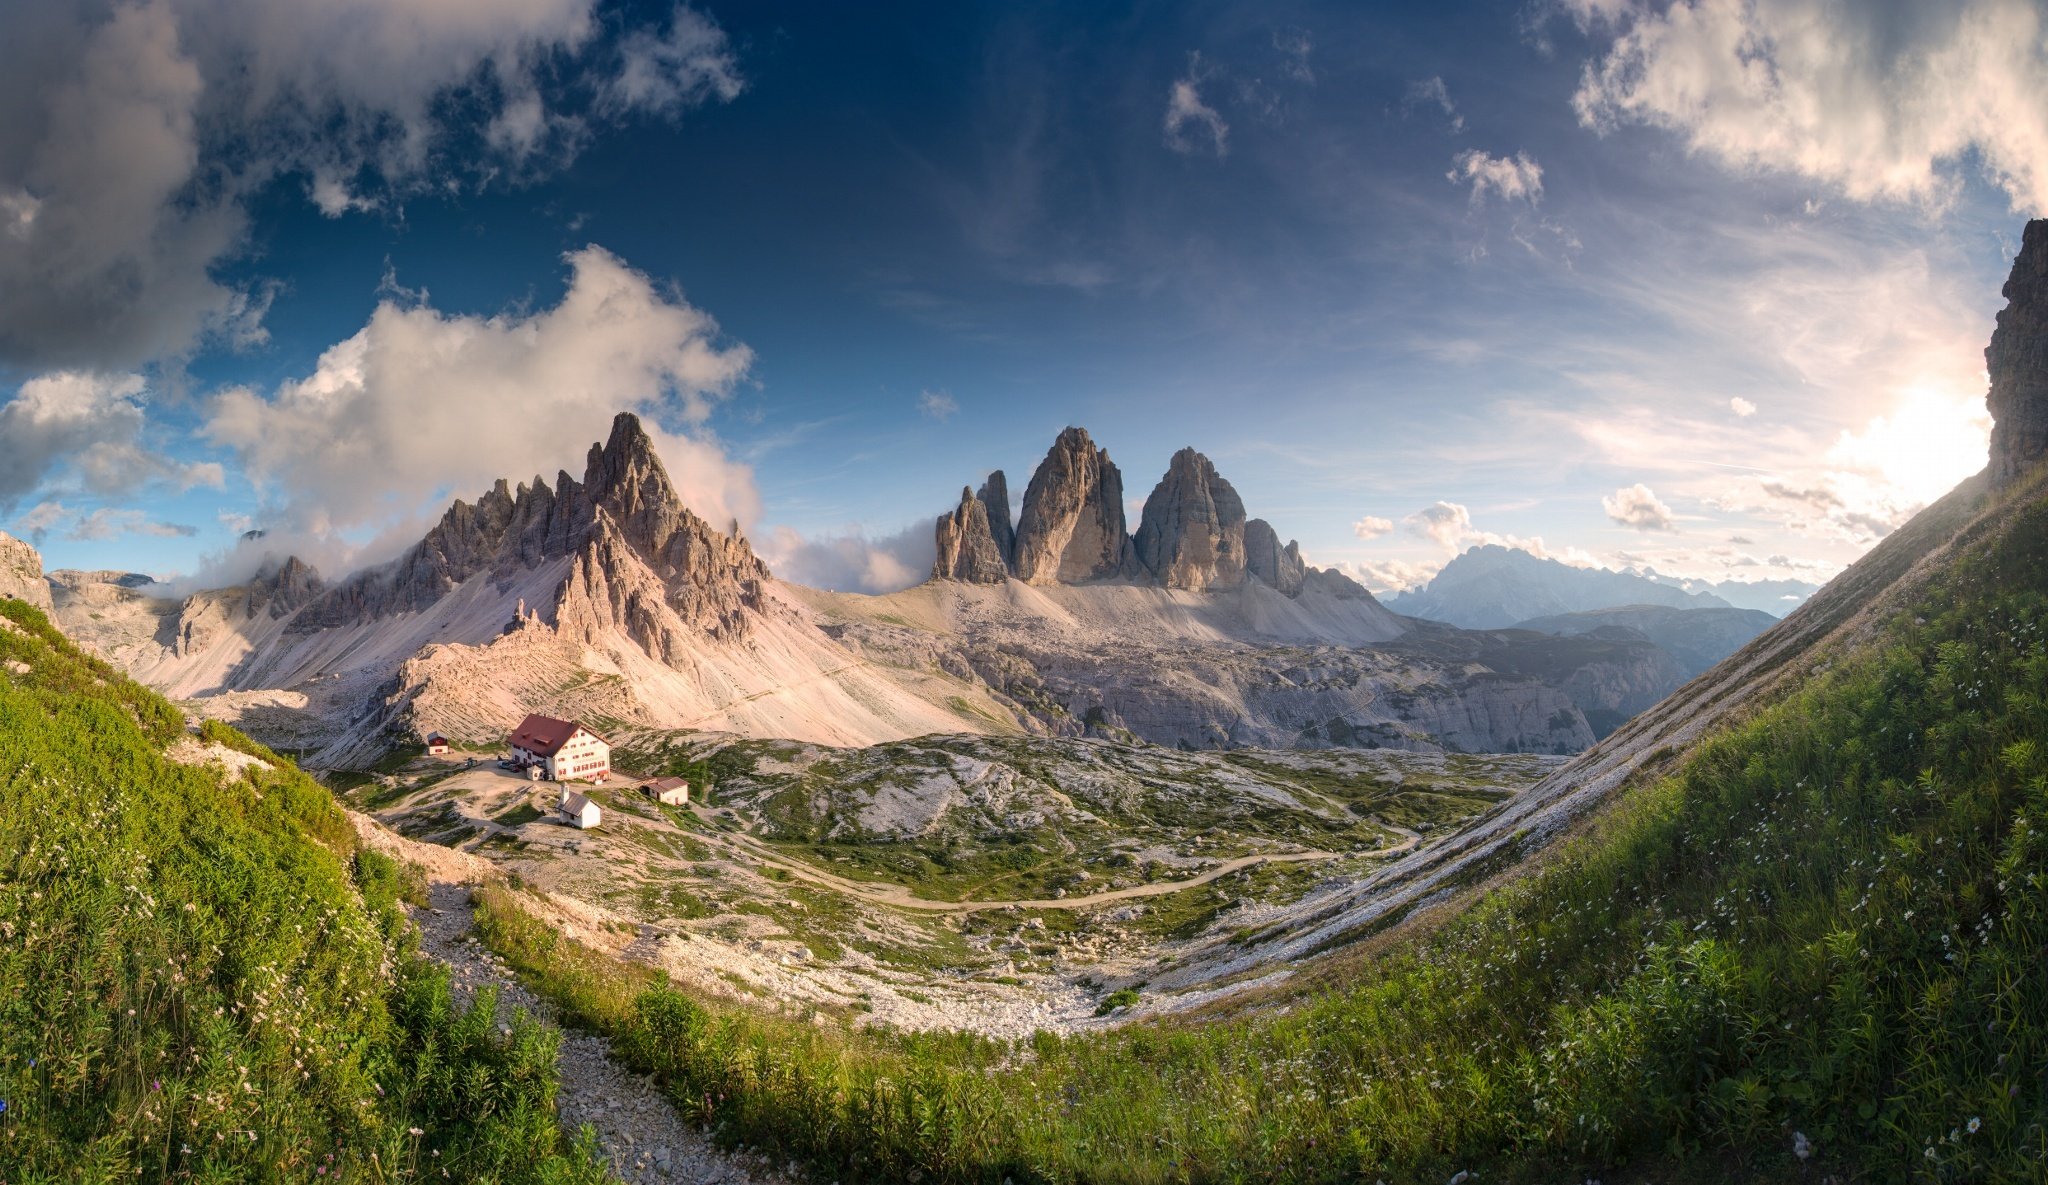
column 2017, row 361
column 1191, row 534
column 1072, row 528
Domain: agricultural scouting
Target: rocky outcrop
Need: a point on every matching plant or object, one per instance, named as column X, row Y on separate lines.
column 21, row 573
column 1191, row 534
column 624, row 508
column 278, row 589
column 2017, row 361
column 1072, row 527
column 1279, row 567
column 995, row 498
column 967, row 546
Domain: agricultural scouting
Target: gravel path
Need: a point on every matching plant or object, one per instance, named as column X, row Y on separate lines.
column 645, row 1139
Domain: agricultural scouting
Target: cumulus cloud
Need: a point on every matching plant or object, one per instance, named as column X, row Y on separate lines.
column 1390, row 576
column 105, row 522
column 1192, row 125
column 1449, row 525
column 1372, row 527
column 1741, row 407
column 137, row 134
column 1514, row 178
column 1431, row 92
column 1892, row 100
column 1636, row 506
column 937, row 405
column 87, row 431
column 850, row 561
column 354, row 445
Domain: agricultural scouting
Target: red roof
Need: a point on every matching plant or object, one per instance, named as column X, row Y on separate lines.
column 543, row 734
column 668, row 783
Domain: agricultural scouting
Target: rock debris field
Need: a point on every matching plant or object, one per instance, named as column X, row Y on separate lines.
column 638, row 1131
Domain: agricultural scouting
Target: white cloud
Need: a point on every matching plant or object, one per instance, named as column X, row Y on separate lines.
column 937, row 405
column 1191, row 125
column 1636, row 506
column 850, row 561
column 1431, row 92
column 1449, row 525
column 1741, row 407
column 1390, row 576
column 1514, row 179
column 689, row 64
column 1295, row 46
column 47, row 518
column 136, row 133
column 86, row 430
column 1372, row 527
column 354, row 445
column 1881, row 100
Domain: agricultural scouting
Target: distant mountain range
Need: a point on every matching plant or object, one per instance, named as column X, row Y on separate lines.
column 1493, row 587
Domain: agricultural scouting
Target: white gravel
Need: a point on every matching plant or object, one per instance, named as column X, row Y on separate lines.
column 638, row 1131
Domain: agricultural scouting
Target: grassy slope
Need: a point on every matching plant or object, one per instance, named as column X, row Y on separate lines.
column 1822, row 930
column 200, row 979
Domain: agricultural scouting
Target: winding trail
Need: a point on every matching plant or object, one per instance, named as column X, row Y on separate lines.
column 902, row 898
column 638, row 1131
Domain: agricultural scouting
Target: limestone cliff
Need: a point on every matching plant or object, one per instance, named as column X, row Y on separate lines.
column 2017, row 361
column 21, row 573
column 1192, row 532
column 967, row 546
column 1280, row 567
column 995, row 498
column 1072, row 527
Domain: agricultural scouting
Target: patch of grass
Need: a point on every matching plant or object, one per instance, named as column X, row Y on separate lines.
column 202, row 979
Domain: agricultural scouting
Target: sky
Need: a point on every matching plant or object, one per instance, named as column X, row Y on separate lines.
column 1702, row 285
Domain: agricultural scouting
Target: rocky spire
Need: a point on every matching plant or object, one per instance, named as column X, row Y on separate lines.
column 282, row 588
column 1192, row 532
column 1072, row 528
column 2017, row 360
column 1279, row 567
column 967, row 548
column 995, row 498
column 689, row 577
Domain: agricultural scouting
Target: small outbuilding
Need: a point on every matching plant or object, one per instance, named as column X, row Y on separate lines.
column 582, row 813
column 436, row 744
column 667, row 791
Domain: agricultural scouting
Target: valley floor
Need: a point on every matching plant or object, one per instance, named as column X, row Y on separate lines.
column 999, row 886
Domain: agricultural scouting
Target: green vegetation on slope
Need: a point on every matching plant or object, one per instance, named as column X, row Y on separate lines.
column 202, row 980
column 1818, row 947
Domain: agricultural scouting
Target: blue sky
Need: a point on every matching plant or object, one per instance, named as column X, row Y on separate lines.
column 1700, row 285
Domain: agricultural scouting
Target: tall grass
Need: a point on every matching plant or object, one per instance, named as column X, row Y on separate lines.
column 1818, row 948
column 201, row 980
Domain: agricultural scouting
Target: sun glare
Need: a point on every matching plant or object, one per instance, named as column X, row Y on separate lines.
column 1930, row 440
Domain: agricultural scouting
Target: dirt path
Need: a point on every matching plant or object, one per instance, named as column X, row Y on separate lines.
column 638, row 1131
column 903, row 898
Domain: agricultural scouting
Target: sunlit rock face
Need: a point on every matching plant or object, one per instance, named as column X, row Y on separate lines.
column 21, row 573
column 1192, row 532
column 967, row 548
column 2017, row 361
column 1072, row 528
